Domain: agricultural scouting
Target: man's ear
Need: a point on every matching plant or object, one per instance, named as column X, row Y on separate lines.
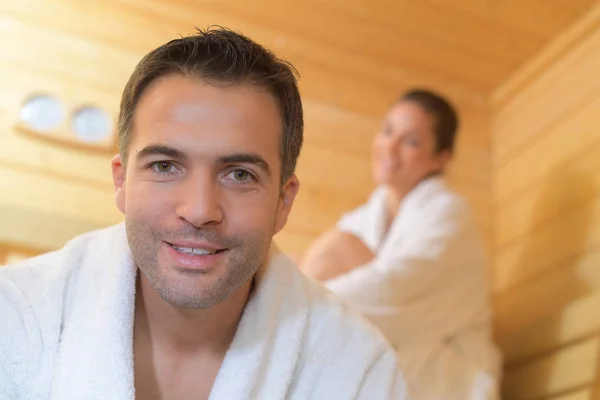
column 118, row 173
column 286, row 200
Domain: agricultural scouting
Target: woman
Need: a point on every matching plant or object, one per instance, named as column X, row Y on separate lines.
column 411, row 259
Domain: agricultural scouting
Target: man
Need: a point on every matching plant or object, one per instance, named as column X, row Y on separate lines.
column 188, row 299
column 411, row 259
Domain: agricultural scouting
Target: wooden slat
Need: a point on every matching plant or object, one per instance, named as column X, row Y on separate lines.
column 576, row 133
column 558, row 93
column 536, row 17
column 65, row 53
column 585, row 394
column 524, row 305
column 574, row 322
column 569, row 368
column 567, row 186
column 567, row 237
column 29, row 227
column 31, row 191
column 327, row 126
column 471, row 166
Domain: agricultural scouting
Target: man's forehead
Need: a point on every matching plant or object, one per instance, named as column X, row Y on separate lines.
column 181, row 97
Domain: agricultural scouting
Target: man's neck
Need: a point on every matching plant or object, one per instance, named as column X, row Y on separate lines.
column 188, row 330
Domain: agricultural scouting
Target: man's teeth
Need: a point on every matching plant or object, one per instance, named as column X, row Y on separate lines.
column 190, row 250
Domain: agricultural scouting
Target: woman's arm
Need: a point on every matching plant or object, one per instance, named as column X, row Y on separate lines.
column 333, row 254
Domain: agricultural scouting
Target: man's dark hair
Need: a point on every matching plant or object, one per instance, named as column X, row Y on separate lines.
column 446, row 118
column 222, row 56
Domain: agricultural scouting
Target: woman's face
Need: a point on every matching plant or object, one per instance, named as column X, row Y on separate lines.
column 405, row 149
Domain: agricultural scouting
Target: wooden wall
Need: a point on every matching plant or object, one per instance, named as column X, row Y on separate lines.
column 84, row 51
column 546, row 207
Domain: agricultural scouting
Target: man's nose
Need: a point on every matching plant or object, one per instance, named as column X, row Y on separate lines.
column 199, row 202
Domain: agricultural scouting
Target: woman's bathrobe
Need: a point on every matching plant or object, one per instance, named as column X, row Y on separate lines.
column 427, row 291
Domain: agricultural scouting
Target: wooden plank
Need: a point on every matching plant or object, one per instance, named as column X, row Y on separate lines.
column 30, row 227
column 538, row 299
column 565, row 238
column 349, row 133
column 541, row 18
column 567, row 369
column 552, row 150
column 568, row 324
column 575, row 322
column 64, row 53
column 31, row 191
column 563, row 188
column 584, row 394
column 564, row 88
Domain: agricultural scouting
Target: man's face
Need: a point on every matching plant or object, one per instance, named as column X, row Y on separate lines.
column 201, row 192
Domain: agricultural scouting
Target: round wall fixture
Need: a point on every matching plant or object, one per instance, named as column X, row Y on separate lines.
column 91, row 124
column 42, row 113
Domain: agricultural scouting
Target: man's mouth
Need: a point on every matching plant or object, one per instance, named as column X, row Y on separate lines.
column 197, row 251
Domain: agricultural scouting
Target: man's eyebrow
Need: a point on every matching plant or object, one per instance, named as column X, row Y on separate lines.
column 246, row 158
column 155, row 149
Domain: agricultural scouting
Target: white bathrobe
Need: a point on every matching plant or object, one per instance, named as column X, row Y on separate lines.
column 427, row 291
column 66, row 333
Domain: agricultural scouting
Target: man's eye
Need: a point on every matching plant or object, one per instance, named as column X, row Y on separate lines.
column 240, row 175
column 164, row 167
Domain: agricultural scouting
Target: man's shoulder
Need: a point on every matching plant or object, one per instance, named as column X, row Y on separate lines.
column 335, row 325
column 342, row 346
column 41, row 268
column 27, row 304
column 32, row 303
column 44, row 266
column 36, row 283
column 331, row 323
column 28, row 277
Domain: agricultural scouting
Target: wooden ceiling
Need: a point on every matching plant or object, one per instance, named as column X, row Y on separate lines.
column 477, row 43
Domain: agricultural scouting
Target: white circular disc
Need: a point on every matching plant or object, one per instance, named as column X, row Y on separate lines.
column 91, row 124
column 42, row 113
